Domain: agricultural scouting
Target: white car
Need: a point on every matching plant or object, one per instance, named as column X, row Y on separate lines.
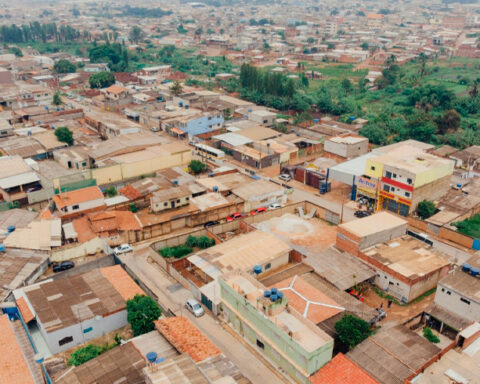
column 124, row 248
column 285, row 177
column 194, row 306
column 273, row 206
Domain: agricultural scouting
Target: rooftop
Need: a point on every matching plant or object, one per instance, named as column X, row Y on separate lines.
column 66, row 301
column 463, row 283
column 240, row 253
column 408, row 256
column 210, row 200
column 40, row 235
column 186, row 338
column 171, row 193
column 341, row 370
column 225, row 182
column 176, row 370
column 382, row 221
column 66, row 199
column 347, row 139
column 257, row 188
column 392, row 355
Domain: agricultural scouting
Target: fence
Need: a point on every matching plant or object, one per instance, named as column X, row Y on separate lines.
column 75, row 251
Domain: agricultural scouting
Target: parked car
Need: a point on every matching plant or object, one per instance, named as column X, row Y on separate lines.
column 63, row 266
column 33, row 189
column 285, row 177
column 258, row 210
column 211, row 223
column 194, row 307
column 124, row 248
column 360, row 214
column 273, row 206
column 235, row 216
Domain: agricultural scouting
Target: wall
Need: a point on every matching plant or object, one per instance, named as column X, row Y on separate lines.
column 71, row 252
column 453, row 303
column 263, row 200
column 86, row 205
column 159, row 206
column 203, row 124
column 432, row 191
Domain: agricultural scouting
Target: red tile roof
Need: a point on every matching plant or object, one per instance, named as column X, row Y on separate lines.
column 122, row 282
column 66, row 199
column 341, row 370
column 130, row 192
column 25, row 310
column 187, row 338
column 13, row 367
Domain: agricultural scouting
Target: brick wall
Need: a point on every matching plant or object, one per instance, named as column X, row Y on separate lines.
column 347, row 241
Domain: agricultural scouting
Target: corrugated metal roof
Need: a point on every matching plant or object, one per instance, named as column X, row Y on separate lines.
column 233, row 139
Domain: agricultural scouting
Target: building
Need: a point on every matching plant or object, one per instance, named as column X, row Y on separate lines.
column 406, row 267
column 398, row 180
column 262, row 117
column 43, row 235
column 79, row 201
column 16, row 178
column 394, row 355
column 260, row 193
column 277, row 330
column 170, row 198
column 72, row 310
column 345, row 147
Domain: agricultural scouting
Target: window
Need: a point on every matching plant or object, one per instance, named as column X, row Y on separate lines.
column 209, row 117
column 465, row 300
column 75, row 207
column 407, row 194
column 89, row 329
column 388, row 174
column 268, row 266
column 449, row 293
column 187, row 198
column 65, row 340
column 178, row 201
column 394, row 175
column 165, row 204
column 409, row 181
column 260, row 344
column 84, row 164
column 386, row 188
column 265, row 121
column 372, row 168
column 443, row 289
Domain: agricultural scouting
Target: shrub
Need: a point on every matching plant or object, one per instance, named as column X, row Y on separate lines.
column 176, row 252
column 133, row 207
column 64, row 135
column 191, row 241
column 89, row 352
column 205, row 242
column 111, row 191
column 426, row 209
column 142, row 311
column 352, row 330
column 430, row 336
column 197, row 166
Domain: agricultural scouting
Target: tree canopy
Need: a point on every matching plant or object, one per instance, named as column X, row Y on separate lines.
column 351, row 330
column 136, row 34
column 426, row 208
column 64, row 66
column 101, row 80
column 64, row 135
column 197, row 166
column 142, row 311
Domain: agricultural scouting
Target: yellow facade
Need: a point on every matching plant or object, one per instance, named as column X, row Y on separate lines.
column 374, row 168
column 434, row 174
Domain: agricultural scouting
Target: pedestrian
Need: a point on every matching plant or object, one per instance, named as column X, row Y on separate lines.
column 389, row 303
column 381, row 305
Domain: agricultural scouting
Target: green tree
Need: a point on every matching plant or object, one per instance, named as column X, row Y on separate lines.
column 84, row 354
column 111, row 191
column 136, row 34
column 64, row 135
column 430, row 336
column 364, row 46
column 426, row 208
column 176, row 88
column 449, row 122
column 197, row 166
column 57, row 100
column 16, row 51
column 64, row 66
column 142, row 311
column 351, row 330
column 101, row 80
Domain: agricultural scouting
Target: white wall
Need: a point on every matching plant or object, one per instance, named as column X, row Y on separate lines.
column 451, row 300
column 86, row 205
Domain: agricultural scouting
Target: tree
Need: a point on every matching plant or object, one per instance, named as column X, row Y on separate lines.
column 474, row 89
column 57, row 100
column 111, row 191
column 364, row 46
column 197, row 166
column 84, row 354
column 430, row 336
column 351, row 330
column 64, row 66
column 142, row 311
column 426, row 208
column 16, row 51
column 64, row 135
column 101, row 80
column 176, row 88
column 449, row 122
column 136, row 34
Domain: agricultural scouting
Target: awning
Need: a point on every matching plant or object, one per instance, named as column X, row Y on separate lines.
column 17, row 180
column 178, row 131
column 69, row 231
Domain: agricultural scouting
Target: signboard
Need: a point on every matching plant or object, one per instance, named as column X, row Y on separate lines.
column 367, row 187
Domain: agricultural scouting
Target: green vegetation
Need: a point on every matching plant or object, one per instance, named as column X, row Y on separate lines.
column 113, row 54
column 57, row 100
column 133, row 208
column 202, row 242
column 136, row 34
column 144, row 12
column 176, row 88
column 111, row 191
column 39, row 32
column 89, row 352
column 142, row 311
column 176, row 252
column 64, row 135
column 469, row 227
column 426, row 209
column 351, row 330
column 101, row 80
column 16, row 51
column 385, row 295
column 196, row 166
column 430, row 336
column 64, row 66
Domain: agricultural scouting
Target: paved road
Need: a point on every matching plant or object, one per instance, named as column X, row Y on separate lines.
column 159, row 282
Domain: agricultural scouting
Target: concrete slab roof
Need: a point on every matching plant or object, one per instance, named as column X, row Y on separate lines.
column 370, row 225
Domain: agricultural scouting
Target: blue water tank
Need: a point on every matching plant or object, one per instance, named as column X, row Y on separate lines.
column 11, row 228
column 38, row 358
column 475, row 271
column 180, row 104
column 274, row 291
column 215, row 189
column 273, row 297
column 2, row 247
column 257, row 269
column 315, row 121
column 459, row 185
column 466, row 267
column 280, row 295
column 266, row 293
column 151, row 356
column 175, row 182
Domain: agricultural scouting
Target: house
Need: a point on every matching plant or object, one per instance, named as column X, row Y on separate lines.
column 345, row 147
column 170, row 198
column 276, row 329
column 43, row 235
column 394, row 355
column 262, row 117
column 468, row 158
column 406, row 267
column 259, row 193
column 73, row 310
column 115, row 92
column 16, row 178
column 79, row 201
column 72, row 157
